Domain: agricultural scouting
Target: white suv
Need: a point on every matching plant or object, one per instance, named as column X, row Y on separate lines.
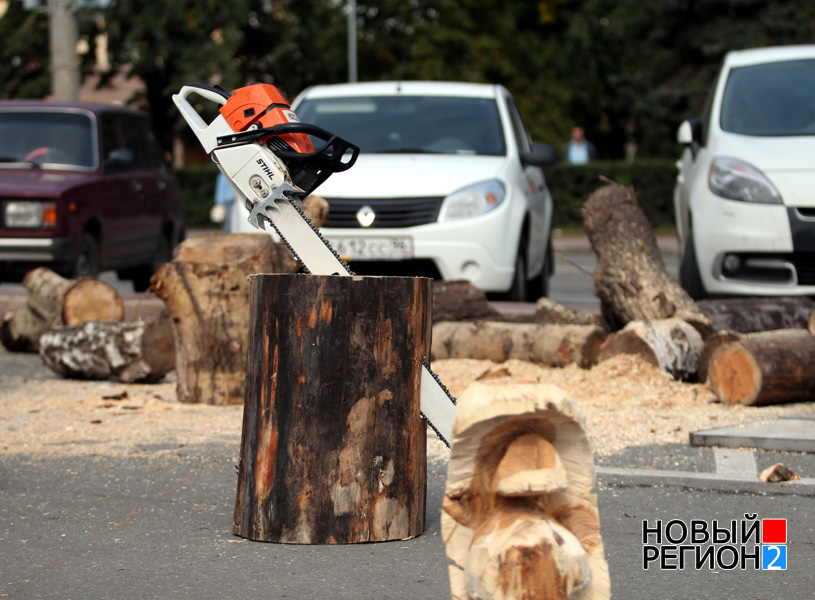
column 447, row 185
column 745, row 192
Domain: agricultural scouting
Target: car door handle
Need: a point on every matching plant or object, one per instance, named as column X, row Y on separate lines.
column 138, row 185
column 162, row 185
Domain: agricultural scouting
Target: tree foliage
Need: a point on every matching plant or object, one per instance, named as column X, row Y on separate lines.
column 628, row 71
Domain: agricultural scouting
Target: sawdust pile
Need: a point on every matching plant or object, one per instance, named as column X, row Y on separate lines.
column 626, row 403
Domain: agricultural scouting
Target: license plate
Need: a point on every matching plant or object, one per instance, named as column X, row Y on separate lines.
column 373, row 248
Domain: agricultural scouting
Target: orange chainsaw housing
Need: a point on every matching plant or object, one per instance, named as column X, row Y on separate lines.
column 264, row 105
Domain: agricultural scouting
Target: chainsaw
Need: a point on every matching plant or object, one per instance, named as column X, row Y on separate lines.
column 269, row 159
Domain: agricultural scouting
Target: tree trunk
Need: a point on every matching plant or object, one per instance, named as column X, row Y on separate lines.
column 550, row 312
column 765, row 368
column 551, row 345
column 519, row 517
column 672, row 345
column 133, row 352
column 55, row 301
column 631, row 281
column 207, row 295
column 746, row 315
column 333, row 446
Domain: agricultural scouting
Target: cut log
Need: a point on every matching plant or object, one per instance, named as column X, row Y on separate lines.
column 630, row 280
column 55, row 301
column 333, row 446
column 672, row 345
column 549, row 312
column 551, row 345
column 133, row 352
column 712, row 343
column 461, row 301
column 746, row 315
column 207, row 295
column 519, row 517
column 772, row 367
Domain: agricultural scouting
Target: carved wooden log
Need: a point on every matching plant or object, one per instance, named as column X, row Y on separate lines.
column 333, row 446
column 54, row 301
column 672, row 345
column 630, row 280
column 519, row 517
column 551, row 345
column 746, row 315
column 207, row 295
column 133, row 352
column 765, row 368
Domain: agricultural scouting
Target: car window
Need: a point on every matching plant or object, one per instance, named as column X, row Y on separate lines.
column 402, row 124
column 134, row 140
column 770, row 99
column 47, row 138
column 522, row 140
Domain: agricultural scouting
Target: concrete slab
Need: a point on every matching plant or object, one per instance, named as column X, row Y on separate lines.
column 790, row 435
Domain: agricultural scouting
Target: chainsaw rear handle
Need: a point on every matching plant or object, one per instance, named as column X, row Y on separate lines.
column 207, row 134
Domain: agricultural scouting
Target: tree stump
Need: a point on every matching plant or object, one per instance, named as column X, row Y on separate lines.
column 519, row 517
column 771, row 367
column 333, row 448
column 133, row 352
column 672, row 345
column 206, row 293
column 631, row 281
column 551, row 345
column 55, row 301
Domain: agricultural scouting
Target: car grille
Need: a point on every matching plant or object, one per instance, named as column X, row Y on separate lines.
column 390, row 212
column 804, row 263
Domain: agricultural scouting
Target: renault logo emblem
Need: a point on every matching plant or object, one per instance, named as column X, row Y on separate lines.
column 366, row 216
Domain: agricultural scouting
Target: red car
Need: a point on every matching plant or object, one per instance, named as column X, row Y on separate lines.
column 83, row 189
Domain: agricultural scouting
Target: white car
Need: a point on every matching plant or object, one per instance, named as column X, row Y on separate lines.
column 745, row 191
column 447, row 185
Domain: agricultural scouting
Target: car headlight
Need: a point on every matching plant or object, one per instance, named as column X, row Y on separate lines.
column 473, row 200
column 736, row 180
column 30, row 214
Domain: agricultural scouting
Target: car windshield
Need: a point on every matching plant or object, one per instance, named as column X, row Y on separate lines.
column 45, row 139
column 772, row 99
column 410, row 124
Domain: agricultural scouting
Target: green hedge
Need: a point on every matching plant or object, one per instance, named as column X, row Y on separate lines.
column 653, row 182
column 570, row 186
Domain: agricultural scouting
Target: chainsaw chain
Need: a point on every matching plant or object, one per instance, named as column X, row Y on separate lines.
column 426, row 365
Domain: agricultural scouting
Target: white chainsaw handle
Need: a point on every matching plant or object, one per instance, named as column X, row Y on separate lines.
column 207, row 134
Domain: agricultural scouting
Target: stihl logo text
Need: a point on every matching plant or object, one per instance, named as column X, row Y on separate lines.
column 266, row 168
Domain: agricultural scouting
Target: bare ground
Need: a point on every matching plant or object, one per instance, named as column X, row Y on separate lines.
column 626, row 403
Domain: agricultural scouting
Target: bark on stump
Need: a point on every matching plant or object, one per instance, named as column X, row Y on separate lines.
column 333, row 448
column 133, row 352
column 519, row 517
column 54, row 301
column 551, row 345
column 207, row 295
column 747, row 315
column 631, row 281
column 672, row 345
column 765, row 368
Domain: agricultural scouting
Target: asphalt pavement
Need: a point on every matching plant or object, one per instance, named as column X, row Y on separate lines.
column 159, row 526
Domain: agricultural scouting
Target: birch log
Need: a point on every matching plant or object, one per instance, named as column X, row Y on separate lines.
column 133, row 352
column 519, row 517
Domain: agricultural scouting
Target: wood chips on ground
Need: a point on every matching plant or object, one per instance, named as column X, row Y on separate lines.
column 626, row 402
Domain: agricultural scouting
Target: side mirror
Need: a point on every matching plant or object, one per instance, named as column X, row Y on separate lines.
column 690, row 134
column 540, row 155
column 120, row 159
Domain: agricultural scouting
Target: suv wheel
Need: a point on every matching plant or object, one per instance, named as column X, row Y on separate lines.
column 87, row 263
column 519, row 290
column 539, row 285
column 689, row 277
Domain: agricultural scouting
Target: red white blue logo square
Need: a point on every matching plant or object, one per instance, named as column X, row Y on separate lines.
column 773, row 531
column 774, row 558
